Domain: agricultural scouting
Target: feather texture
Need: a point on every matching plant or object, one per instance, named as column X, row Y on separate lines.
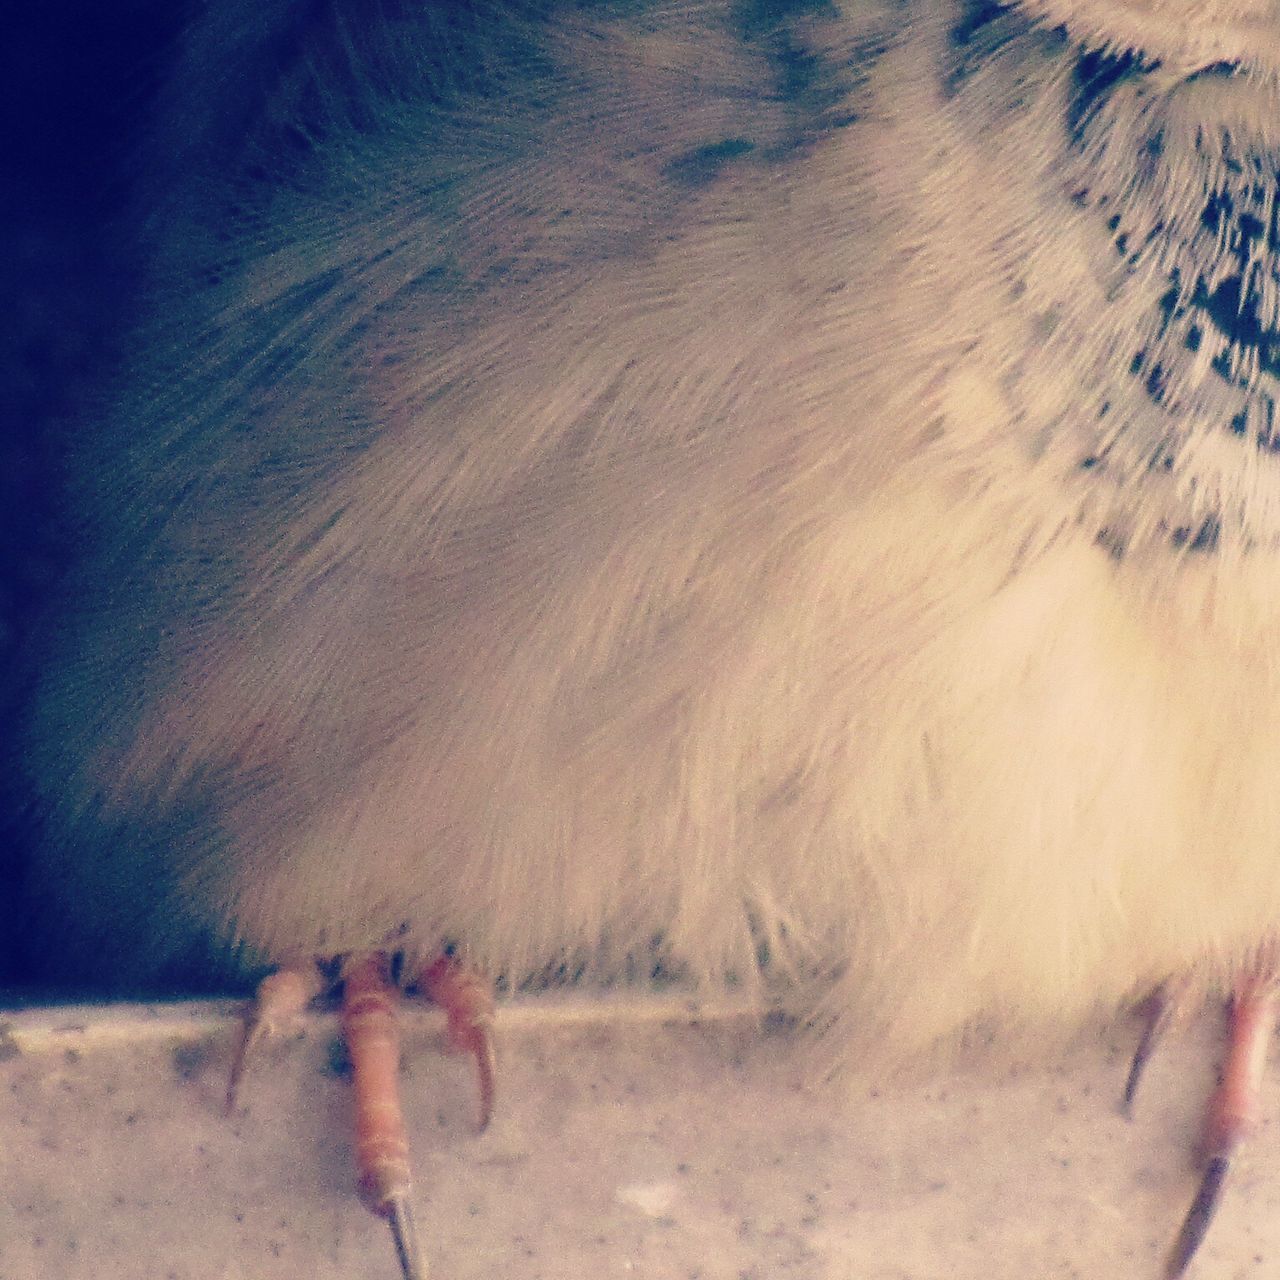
column 786, row 492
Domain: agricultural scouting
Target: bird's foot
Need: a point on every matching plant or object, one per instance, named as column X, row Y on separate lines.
column 370, row 1028
column 1234, row 1106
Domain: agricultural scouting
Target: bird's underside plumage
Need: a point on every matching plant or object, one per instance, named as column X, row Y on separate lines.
column 787, row 493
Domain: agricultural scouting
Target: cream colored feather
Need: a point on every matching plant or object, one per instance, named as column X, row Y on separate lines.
column 786, row 493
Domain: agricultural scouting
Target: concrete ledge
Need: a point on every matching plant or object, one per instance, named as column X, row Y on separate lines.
column 634, row 1138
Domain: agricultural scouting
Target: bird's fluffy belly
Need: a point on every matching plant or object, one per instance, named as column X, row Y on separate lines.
column 583, row 540
column 1019, row 808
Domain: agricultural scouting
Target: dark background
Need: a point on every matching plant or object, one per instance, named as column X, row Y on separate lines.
column 77, row 82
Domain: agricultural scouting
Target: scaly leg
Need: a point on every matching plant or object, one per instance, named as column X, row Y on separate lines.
column 1233, row 1110
column 370, row 1029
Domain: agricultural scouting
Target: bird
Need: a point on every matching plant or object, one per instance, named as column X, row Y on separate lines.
column 780, row 493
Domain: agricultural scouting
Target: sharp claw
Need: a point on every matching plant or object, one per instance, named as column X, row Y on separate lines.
column 280, row 998
column 467, row 1000
column 400, row 1215
column 487, row 1066
column 1162, row 1007
column 1199, row 1216
column 1158, row 1016
column 252, row 1030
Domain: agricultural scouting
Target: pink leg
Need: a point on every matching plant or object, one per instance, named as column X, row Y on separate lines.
column 371, row 1030
column 1233, row 1110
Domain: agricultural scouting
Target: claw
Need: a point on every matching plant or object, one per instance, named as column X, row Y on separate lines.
column 370, row 1029
column 467, row 1000
column 405, row 1235
column 280, row 998
column 1196, row 1223
column 1162, row 1008
column 1233, row 1111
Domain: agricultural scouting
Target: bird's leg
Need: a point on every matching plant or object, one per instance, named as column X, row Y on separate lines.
column 281, row 997
column 370, row 1029
column 1233, row 1110
column 467, row 999
column 371, row 1032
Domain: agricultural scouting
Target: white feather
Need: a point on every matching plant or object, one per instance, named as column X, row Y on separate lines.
column 616, row 503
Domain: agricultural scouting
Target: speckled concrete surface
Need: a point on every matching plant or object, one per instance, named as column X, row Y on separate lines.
column 622, row 1147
